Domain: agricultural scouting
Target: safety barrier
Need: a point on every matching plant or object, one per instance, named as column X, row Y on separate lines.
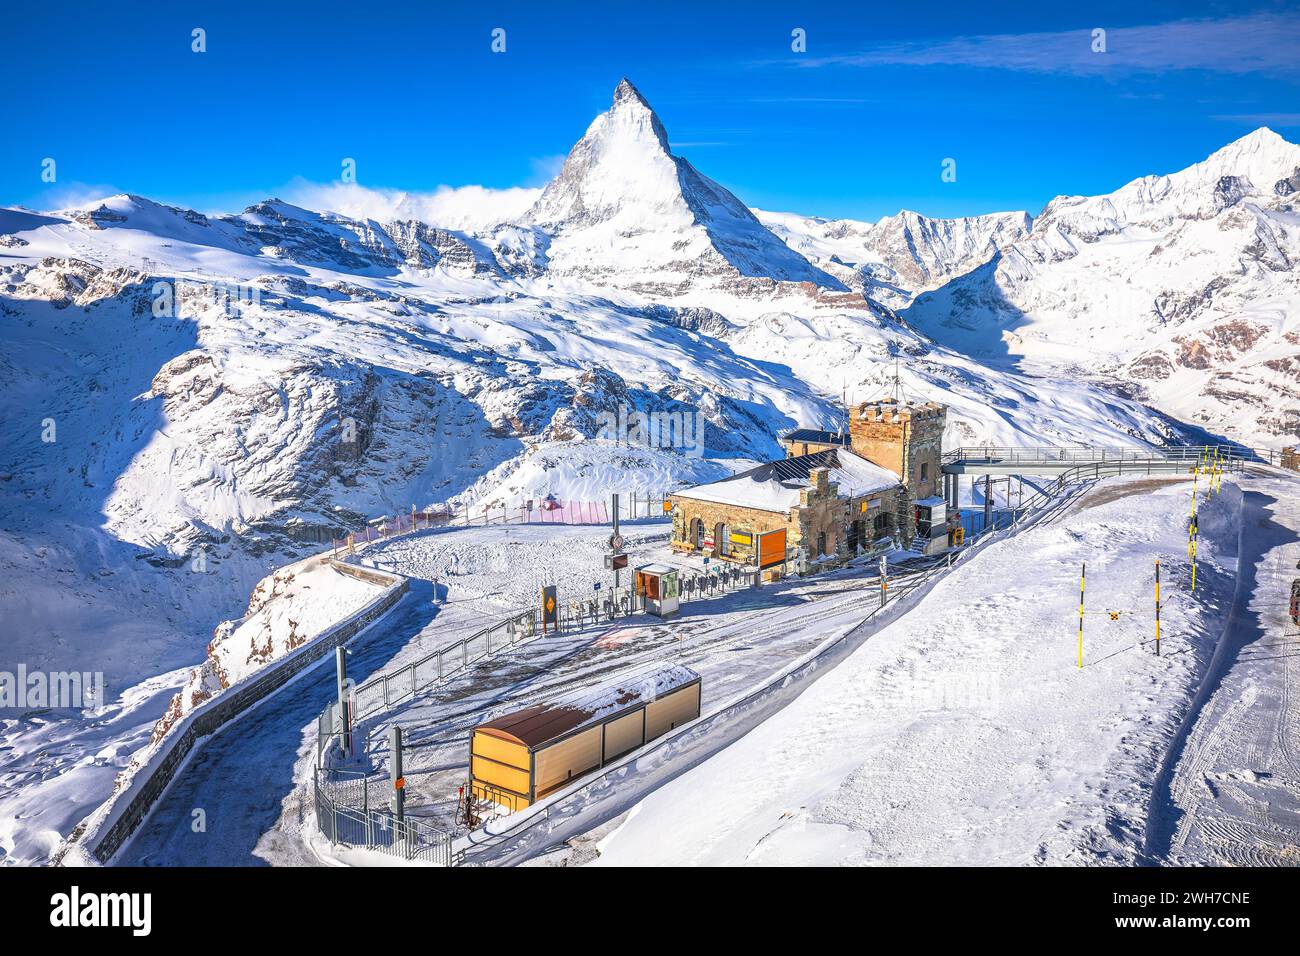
column 345, row 815
column 1085, row 454
column 545, row 511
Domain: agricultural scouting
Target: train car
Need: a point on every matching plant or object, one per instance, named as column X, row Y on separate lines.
column 521, row 757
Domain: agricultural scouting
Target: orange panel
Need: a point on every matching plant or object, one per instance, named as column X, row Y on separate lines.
column 502, row 751
column 499, row 775
column 771, row 548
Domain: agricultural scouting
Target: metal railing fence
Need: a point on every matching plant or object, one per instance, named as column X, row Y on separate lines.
column 544, row 511
column 1083, row 454
column 345, row 814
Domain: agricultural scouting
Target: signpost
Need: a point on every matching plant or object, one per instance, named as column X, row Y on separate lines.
column 550, row 608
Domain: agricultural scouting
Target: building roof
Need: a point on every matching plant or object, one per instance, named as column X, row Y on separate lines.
column 542, row 723
column 818, row 437
column 775, row 486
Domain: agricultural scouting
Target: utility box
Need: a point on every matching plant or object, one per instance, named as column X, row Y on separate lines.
column 932, row 523
column 658, row 583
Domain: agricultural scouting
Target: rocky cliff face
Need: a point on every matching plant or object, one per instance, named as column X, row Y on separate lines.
column 893, row 260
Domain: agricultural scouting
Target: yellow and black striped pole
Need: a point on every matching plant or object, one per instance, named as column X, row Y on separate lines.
column 1193, row 562
column 1083, row 573
column 1157, row 607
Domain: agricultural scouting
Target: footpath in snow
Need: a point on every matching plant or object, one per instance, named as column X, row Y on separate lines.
column 1232, row 797
column 965, row 732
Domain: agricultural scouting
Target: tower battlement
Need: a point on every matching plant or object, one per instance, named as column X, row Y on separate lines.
column 905, row 437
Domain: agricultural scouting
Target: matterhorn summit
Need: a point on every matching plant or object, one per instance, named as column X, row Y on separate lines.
column 624, row 209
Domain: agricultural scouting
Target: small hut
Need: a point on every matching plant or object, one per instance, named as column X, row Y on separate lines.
column 521, row 757
column 659, row 585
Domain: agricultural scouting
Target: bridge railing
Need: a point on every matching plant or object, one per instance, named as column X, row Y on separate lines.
column 1083, row 454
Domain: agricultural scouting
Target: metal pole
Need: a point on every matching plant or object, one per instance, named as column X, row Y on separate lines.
column 1082, row 575
column 395, row 772
column 884, row 580
column 614, row 511
column 340, row 672
column 1157, row 607
column 988, row 504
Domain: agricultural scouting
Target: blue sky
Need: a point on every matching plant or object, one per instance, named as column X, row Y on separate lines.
column 857, row 126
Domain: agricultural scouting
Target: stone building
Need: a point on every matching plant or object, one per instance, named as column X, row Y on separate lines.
column 830, row 503
column 835, row 493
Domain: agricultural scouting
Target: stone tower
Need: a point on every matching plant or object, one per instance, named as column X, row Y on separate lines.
column 906, row 438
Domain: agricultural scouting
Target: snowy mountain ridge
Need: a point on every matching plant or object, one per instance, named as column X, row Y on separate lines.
column 624, row 210
column 1180, row 289
column 892, row 260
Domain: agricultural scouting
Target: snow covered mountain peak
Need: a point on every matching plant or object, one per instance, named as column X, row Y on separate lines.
column 625, row 210
column 1263, row 157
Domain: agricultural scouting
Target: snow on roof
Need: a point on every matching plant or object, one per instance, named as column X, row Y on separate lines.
column 541, row 723
column 775, row 486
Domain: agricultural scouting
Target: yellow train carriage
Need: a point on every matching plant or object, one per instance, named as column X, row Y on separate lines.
column 521, row 757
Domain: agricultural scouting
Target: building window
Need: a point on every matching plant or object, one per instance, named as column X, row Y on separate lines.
column 821, row 543
column 925, row 471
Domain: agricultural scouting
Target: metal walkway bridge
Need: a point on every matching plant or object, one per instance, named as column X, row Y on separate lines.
column 1067, row 462
column 1053, row 460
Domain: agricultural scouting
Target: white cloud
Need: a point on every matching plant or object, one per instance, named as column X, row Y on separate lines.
column 452, row 207
column 1257, row 43
column 69, row 196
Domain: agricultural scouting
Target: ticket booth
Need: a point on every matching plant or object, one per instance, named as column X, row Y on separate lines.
column 657, row 583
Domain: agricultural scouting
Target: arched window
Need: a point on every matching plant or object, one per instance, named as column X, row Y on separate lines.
column 697, row 533
column 722, row 539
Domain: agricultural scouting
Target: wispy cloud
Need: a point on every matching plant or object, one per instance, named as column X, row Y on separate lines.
column 1257, row 43
column 71, row 195
column 452, row 207
column 1261, row 119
